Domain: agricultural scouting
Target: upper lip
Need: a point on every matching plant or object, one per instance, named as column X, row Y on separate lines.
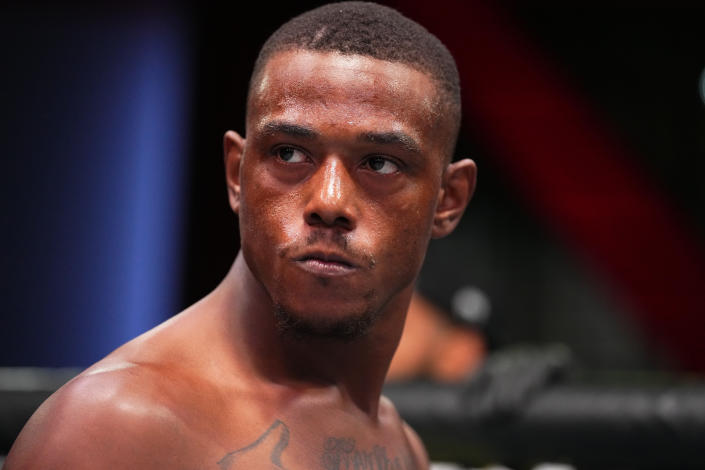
column 329, row 256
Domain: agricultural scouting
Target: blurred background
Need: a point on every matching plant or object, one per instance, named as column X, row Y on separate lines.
column 586, row 119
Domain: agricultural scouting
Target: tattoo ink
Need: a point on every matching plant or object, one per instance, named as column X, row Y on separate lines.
column 265, row 452
column 340, row 454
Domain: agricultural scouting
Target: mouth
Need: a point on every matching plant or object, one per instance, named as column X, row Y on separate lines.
column 326, row 264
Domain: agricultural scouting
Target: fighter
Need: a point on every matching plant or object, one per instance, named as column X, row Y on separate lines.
column 341, row 180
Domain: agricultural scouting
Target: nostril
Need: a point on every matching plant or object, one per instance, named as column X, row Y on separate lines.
column 343, row 222
column 314, row 218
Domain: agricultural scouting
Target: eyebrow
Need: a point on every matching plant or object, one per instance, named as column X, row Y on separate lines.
column 294, row 130
column 392, row 138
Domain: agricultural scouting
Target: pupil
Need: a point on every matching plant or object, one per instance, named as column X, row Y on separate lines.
column 376, row 163
column 286, row 154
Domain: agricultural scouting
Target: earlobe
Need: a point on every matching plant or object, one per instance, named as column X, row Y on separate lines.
column 457, row 188
column 233, row 150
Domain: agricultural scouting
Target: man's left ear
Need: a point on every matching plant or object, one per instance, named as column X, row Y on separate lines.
column 457, row 188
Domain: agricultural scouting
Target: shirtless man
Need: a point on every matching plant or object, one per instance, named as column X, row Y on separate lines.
column 343, row 178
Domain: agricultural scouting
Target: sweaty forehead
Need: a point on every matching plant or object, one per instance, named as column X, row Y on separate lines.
column 296, row 83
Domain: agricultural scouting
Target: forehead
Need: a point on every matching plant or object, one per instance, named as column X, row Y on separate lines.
column 335, row 89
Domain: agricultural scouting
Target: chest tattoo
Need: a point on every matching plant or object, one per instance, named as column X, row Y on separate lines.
column 265, row 452
column 342, row 454
column 338, row 453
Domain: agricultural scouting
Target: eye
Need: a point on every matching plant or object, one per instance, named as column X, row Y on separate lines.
column 382, row 165
column 291, row 155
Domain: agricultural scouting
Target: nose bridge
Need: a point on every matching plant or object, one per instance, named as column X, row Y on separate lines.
column 331, row 186
column 330, row 200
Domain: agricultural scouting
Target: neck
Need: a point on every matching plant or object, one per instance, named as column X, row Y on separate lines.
column 357, row 368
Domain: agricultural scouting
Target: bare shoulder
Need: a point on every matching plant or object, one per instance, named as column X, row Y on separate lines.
column 112, row 417
column 155, row 402
column 418, row 450
column 417, row 447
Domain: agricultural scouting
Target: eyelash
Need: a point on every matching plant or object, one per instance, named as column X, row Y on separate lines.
column 277, row 153
column 368, row 161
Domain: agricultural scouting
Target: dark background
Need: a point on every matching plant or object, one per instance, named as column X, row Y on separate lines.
column 586, row 120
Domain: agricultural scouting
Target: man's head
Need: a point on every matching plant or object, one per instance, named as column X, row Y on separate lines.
column 344, row 176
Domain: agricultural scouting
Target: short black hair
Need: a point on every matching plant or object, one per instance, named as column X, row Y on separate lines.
column 376, row 31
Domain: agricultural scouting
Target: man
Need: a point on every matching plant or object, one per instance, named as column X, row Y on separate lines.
column 343, row 178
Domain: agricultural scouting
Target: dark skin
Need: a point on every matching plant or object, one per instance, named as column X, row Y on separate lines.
column 341, row 183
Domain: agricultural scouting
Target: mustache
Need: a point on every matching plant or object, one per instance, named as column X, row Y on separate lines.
column 335, row 238
column 322, row 239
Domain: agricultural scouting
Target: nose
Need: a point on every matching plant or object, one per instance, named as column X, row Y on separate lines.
column 331, row 197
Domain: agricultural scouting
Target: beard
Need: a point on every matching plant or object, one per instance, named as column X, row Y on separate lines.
column 346, row 329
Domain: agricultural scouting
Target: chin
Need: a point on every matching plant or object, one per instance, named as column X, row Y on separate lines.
column 308, row 325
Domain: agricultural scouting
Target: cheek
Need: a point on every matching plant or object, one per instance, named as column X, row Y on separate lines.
column 259, row 222
column 265, row 227
column 403, row 233
column 265, row 208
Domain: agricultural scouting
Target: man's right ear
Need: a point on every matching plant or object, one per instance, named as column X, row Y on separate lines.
column 233, row 149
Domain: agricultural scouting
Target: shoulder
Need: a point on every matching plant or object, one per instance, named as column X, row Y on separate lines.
column 113, row 416
column 418, row 450
column 417, row 447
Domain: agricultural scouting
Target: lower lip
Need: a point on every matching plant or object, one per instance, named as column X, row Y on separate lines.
column 319, row 267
